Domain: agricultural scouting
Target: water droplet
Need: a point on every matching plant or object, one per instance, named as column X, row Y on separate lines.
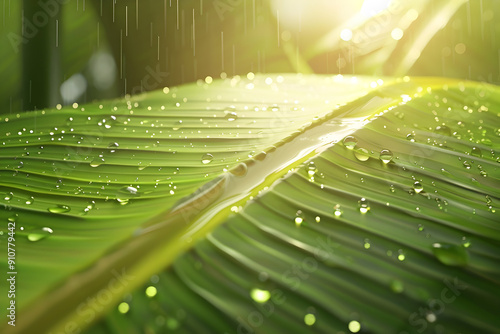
column 311, row 169
column 39, row 234
column 350, row 142
column 30, row 200
column 451, row 255
column 59, row 209
column 122, row 201
column 420, row 227
column 130, row 190
column 231, row 116
column 239, row 170
column 465, row 242
column 336, row 211
column 207, row 158
column 354, row 326
column 299, row 217
column 318, row 219
column 367, row 244
column 476, row 151
column 364, row 206
column 362, row 154
column 97, row 162
column 260, row 296
column 309, row 319
column 466, row 164
column 411, row 137
column 442, row 130
column 386, row 156
column 418, row 187
column 113, row 146
column 401, row 255
column 8, row 196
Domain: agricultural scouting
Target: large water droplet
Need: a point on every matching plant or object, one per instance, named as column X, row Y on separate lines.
column 311, row 169
column 207, row 158
column 231, row 116
column 362, row 154
column 442, row 130
column 451, row 255
column 350, row 142
column 364, row 206
column 476, row 151
column 59, row 209
column 336, row 211
column 386, row 156
column 418, row 187
column 299, row 217
column 39, row 234
column 97, row 162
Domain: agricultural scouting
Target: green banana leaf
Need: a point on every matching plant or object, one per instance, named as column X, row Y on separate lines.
column 271, row 204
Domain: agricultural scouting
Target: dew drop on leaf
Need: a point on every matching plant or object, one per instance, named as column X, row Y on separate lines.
column 350, row 142
column 466, row 242
column 96, row 162
column 39, row 234
column 364, row 206
column 207, row 158
column 336, row 211
column 59, row 209
column 418, row 187
column 451, row 255
column 442, row 130
column 362, row 154
column 386, row 156
column 299, row 217
column 311, row 169
column 476, row 151
column 231, row 116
